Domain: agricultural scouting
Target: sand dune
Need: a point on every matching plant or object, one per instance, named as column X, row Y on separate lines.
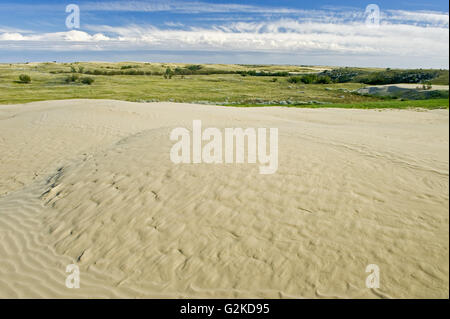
column 403, row 88
column 90, row 182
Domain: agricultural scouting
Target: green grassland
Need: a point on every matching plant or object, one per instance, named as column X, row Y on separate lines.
column 389, row 104
column 237, row 85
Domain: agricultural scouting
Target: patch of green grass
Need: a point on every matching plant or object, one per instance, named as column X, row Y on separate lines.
column 49, row 82
column 391, row 104
column 442, row 79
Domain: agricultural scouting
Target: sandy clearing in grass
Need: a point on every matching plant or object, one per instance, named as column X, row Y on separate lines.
column 393, row 87
column 90, row 182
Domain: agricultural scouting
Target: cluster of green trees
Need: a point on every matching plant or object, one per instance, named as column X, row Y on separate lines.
column 120, row 72
column 169, row 73
column 392, row 77
column 124, row 70
column 340, row 75
column 194, row 69
column 124, row 67
column 25, row 78
column 261, row 73
column 310, row 79
column 387, row 76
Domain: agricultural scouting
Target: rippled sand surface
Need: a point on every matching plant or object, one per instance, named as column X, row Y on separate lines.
column 90, row 182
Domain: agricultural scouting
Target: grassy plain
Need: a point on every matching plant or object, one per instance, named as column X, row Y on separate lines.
column 214, row 84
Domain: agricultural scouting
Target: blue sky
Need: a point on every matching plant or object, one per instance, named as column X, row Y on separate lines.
column 410, row 33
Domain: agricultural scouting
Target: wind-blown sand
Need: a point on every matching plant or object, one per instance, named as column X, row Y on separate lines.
column 90, row 182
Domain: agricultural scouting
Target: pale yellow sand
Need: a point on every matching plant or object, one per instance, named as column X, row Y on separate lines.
column 90, row 182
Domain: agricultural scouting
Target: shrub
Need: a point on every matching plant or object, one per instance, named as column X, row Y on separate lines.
column 294, row 79
column 72, row 78
column 309, row 78
column 387, row 76
column 124, row 67
column 179, row 70
column 260, row 73
column 324, row 79
column 168, row 74
column 343, row 75
column 24, row 78
column 87, row 80
column 130, row 72
column 194, row 67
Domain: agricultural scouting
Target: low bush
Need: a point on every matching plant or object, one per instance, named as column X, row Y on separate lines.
column 87, row 80
column 262, row 73
column 323, row 80
column 72, row 78
column 310, row 79
column 24, row 78
column 194, row 67
column 169, row 73
column 294, row 79
column 124, row 67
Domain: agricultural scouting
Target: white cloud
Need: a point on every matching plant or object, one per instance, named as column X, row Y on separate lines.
column 181, row 7
column 422, row 17
column 327, row 14
column 283, row 35
column 424, row 37
column 174, row 24
column 11, row 36
column 69, row 36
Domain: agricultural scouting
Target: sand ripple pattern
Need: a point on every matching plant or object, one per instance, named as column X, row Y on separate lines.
column 91, row 183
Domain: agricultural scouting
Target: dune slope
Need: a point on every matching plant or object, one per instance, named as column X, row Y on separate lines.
column 90, row 182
